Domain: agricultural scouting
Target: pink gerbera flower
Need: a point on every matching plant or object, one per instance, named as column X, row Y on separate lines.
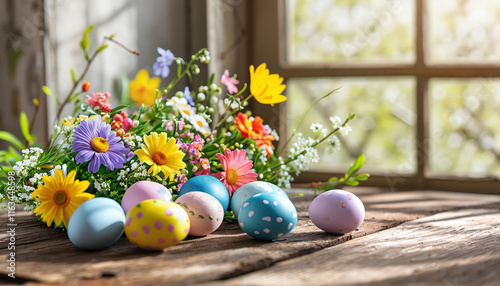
column 229, row 82
column 237, row 170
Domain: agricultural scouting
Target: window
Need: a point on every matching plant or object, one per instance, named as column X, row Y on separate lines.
column 419, row 75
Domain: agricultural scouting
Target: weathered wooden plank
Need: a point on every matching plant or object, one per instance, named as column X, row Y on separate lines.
column 46, row 255
column 451, row 248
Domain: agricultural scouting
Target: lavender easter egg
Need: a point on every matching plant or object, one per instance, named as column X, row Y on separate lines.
column 209, row 185
column 156, row 224
column 337, row 211
column 204, row 211
column 267, row 216
column 248, row 190
column 144, row 190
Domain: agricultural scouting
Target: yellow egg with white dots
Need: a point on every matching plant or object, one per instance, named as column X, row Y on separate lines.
column 156, row 224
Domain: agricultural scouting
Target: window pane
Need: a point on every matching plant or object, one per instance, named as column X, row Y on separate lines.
column 383, row 129
column 464, row 31
column 465, row 137
column 350, row 31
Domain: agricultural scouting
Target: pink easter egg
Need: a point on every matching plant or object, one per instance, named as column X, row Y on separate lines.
column 144, row 190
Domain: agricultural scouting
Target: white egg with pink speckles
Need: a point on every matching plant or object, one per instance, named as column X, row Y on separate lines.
column 337, row 211
column 205, row 212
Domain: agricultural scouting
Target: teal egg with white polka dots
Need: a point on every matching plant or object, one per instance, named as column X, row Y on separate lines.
column 267, row 216
column 248, row 190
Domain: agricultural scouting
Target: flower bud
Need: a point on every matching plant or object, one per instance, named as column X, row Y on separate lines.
column 85, row 86
column 118, row 117
column 195, row 69
column 120, row 132
column 127, row 124
column 201, row 96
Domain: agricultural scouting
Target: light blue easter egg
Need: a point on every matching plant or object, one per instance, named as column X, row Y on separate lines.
column 267, row 216
column 248, row 190
column 96, row 224
column 209, row 185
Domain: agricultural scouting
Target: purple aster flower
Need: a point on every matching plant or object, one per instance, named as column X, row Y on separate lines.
column 187, row 96
column 95, row 142
column 161, row 66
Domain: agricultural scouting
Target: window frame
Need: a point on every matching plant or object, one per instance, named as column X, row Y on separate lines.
column 267, row 20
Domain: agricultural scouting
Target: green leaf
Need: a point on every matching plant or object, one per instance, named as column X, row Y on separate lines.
column 179, row 68
column 211, row 80
column 85, row 42
column 25, row 127
column 73, row 75
column 356, row 165
column 73, row 96
column 352, row 183
column 101, row 48
column 362, row 177
column 117, row 109
column 125, row 90
column 332, row 179
column 9, row 137
column 49, row 92
column 112, row 36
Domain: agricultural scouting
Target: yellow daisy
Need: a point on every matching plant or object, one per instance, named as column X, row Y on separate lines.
column 161, row 155
column 60, row 196
column 265, row 87
column 143, row 89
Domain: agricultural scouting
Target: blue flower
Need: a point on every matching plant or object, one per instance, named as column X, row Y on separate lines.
column 161, row 66
column 187, row 96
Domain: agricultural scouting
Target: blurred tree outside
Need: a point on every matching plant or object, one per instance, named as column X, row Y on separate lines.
column 463, row 114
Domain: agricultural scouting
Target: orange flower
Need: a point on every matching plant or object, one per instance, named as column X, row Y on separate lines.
column 254, row 129
column 85, row 86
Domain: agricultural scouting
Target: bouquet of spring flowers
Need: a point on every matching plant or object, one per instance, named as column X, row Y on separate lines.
column 172, row 134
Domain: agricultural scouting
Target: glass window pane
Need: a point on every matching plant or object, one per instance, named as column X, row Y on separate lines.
column 350, row 31
column 383, row 129
column 465, row 137
column 464, row 31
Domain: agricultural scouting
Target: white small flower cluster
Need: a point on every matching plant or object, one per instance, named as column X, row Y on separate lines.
column 133, row 173
column 304, row 153
column 334, row 142
column 319, row 130
column 24, row 184
column 101, row 184
column 30, row 160
column 205, row 57
column 133, row 141
column 284, row 178
column 337, row 123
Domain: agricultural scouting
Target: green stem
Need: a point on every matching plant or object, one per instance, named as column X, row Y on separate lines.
column 178, row 77
column 225, row 116
column 278, row 152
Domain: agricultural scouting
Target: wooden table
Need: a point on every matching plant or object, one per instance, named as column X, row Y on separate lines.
column 424, row 237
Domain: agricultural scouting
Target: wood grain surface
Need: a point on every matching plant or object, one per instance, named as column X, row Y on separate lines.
column 407, row 237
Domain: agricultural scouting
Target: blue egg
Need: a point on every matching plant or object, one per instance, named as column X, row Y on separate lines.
column 248, row 190
column 267, row 216
column 209, row 185
column 96, row 224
